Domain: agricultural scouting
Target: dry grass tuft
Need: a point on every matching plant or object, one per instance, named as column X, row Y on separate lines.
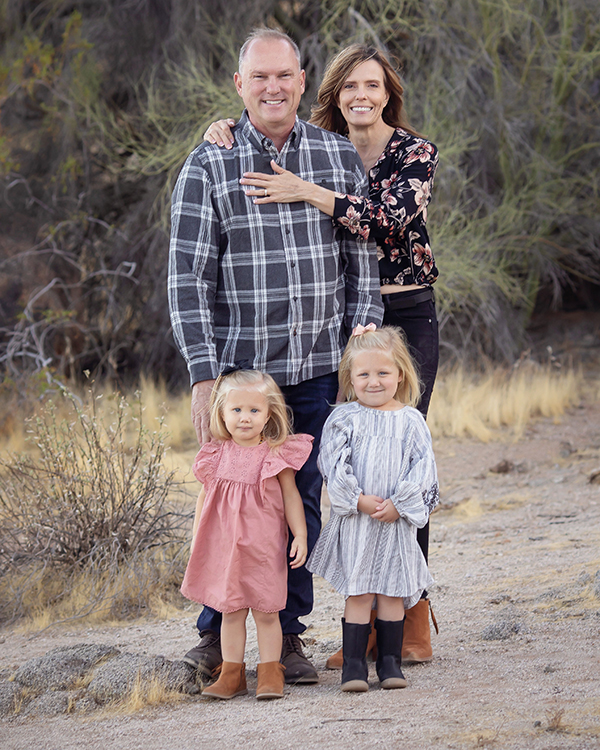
column 145, row 693
column 555, row 720
column 476, row 406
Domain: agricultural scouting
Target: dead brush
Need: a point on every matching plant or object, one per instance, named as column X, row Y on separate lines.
column 555, row 720
column 89, row 514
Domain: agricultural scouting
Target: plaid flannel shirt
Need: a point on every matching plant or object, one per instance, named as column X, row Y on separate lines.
column 276, row 284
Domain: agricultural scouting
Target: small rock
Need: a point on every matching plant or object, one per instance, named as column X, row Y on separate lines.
column 566, row 448
column 504, row 467
column 500, row 631
column 594, row 477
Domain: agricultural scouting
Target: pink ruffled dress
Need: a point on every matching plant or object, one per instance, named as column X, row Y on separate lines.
column 239, row 558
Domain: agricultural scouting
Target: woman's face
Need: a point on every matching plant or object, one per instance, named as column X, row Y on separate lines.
column 363, row 95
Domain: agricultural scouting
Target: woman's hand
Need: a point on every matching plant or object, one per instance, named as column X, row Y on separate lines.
column 281, row 187
column 220, row 133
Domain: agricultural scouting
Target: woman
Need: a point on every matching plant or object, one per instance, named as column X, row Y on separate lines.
column 361, row 97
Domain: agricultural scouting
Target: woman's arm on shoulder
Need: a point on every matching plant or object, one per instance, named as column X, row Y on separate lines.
column 219, row 133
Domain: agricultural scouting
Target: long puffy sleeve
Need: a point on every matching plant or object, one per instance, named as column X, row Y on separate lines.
column 418, row 494
column 334, row 463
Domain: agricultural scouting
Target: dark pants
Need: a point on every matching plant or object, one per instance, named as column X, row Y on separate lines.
column 310, row 403
column 419, row 323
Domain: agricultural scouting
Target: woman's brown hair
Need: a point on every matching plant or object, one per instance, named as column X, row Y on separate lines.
column 326, row 112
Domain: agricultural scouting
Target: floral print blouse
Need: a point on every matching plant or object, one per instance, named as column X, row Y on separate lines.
column 395, row 213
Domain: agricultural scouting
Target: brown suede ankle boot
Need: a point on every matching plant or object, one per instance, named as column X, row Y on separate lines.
column 231, row 682
column 336, row 660
column 270, row 680
column 416, row 647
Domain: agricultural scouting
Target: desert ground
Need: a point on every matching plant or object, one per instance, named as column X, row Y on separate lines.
column 515, row 552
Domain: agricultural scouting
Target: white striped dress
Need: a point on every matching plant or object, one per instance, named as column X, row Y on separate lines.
column 383, row 453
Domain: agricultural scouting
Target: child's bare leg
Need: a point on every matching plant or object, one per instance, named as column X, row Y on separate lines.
column 268, row 635
column 390, row 608
column 358, row 608
column 233, row 635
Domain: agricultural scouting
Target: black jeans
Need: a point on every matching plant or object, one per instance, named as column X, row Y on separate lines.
column 419, row 323
column 310, row 403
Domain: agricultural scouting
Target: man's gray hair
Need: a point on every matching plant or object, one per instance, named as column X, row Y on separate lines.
column 267, row 34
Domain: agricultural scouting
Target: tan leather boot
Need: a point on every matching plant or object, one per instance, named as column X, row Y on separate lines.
column 270, row 680
column 231, row 682
column 416, row 646
column 336, row 660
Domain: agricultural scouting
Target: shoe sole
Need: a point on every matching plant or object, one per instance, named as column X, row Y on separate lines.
column 304, row 680
column 223, row 697
column 268, row 696
column 393, row 683
column 355, row 686
column 414, row 659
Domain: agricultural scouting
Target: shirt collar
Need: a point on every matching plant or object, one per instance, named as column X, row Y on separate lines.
column 263, row 142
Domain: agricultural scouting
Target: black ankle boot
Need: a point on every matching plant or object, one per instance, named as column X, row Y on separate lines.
column 389, row 653
column 355, row 671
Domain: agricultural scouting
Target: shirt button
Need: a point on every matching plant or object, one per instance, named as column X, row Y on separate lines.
column 287, row 231
column 293, row 264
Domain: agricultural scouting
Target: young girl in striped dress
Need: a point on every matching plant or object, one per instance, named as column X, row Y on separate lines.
column 378, row 464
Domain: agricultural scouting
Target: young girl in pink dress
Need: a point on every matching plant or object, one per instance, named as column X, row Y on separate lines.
column 240, row 534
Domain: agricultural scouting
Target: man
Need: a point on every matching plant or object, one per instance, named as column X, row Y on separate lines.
column 274, row 284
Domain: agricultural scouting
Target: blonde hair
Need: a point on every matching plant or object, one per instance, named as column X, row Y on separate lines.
column 326, row 112
column 392, row 341
column 278, row 426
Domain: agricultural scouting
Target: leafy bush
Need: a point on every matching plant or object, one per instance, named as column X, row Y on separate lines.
column 92, row 504
column 101, row 102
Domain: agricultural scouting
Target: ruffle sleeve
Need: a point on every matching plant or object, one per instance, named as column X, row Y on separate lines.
column 335, row 464
column 206, row 461
column 293, row 454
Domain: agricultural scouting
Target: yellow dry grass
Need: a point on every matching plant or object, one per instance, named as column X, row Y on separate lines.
column 95, row 596
column 464, row 404
column 144, row 693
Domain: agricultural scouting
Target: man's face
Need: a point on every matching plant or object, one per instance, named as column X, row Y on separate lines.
column 271, row 84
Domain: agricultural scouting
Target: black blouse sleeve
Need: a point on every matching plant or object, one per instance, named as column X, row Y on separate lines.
column 400, row 190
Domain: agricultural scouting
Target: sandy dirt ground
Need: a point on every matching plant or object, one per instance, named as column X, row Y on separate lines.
column 516, row 558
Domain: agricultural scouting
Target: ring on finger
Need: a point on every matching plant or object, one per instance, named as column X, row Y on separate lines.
column 266, row 192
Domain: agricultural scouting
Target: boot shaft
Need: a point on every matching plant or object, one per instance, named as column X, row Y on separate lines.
column 389, row 653
column 355, row 672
